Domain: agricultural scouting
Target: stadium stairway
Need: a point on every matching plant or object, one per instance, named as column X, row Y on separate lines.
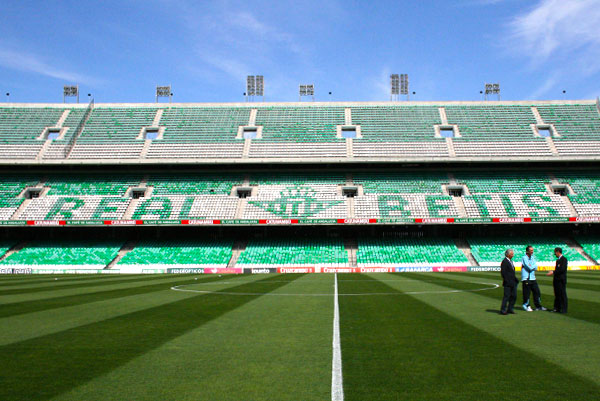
column 577, row 247
column 464, row 246
column 26, row 202
column 14, row 249
column 125, row 249
column 351, row 246
column 236, row 250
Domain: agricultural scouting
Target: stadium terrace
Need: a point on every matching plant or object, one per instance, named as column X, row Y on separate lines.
column 390, row 185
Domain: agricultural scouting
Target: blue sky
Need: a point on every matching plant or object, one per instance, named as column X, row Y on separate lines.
column 120, row 50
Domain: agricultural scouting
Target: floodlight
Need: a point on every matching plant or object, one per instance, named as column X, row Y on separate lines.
column 163, row 91
column 70, row 91
column 260, row 85
column 307, row 90
column 250, row 85
column 395, row 84
column 492, row 89
column 404, row 84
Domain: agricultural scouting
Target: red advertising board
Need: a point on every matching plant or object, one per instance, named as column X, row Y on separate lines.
column 46, row 222
column 295, row 270
column 436, row 220
column 448, row 269
column 200, row 222
column 278, row 221
column 223, row 270
column 356, row 270
column 123, row 222
column 591, row 219
column 356, row 221
column 511, row 220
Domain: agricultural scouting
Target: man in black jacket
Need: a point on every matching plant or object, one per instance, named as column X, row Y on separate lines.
column 559, row 282
column 509, row 282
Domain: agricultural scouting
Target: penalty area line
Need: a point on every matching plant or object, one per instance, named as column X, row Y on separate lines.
column 337, row 388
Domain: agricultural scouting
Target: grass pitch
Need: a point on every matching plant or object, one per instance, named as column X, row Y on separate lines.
column 410, row 336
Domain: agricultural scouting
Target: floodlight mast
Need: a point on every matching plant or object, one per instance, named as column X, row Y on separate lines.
column 404, row 86
column 492, row 89
column 70, row 91
column 399, row 86
column 394, row 87
column 260, row 86
column 306, row 90
column 250, row 87
column 164, row 91
column 255, row 86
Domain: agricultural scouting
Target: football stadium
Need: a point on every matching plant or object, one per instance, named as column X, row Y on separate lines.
column 306, row 200
column 295, row 250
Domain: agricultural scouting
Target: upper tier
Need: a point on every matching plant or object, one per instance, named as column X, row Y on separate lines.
column 299, row 132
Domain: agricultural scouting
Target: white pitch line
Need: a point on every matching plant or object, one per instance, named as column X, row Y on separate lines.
column 337, row 388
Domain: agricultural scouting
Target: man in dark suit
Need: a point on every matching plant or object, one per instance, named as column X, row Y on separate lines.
column 559, row 282
column 509, row 282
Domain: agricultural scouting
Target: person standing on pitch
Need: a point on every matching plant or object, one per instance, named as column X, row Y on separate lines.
column 528, row 268
column 560, row 282
column 509, row 282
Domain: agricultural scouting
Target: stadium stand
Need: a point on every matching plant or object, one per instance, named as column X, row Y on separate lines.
column 591, row 245
column 422, row 194
column 413, row 165
column 64, row 254
column 5, row 246
column 177, row 253
column 11, row 187
column 490, row 251
column 294, row 132
column 409, row 252
column 586, row 187
column 296, row 195
column 297, row 252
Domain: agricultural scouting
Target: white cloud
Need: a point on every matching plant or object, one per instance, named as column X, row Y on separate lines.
column 21, row 61
column 557, row 26
column 230, row 66
column 549, row 84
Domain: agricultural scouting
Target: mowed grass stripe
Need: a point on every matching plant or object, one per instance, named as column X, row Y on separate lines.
column 578, row 308
column 20, row 327
column 557, row 339
column 135, row 287
column 545, row 284
column 138, row 281
column 59, row 362
column 401, row 348
column 59, row 285
column 271, row 348
column 580, row 277
column 30, row 280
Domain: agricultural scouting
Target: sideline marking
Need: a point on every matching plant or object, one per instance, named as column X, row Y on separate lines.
column 493, row 286
column 337, row 388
